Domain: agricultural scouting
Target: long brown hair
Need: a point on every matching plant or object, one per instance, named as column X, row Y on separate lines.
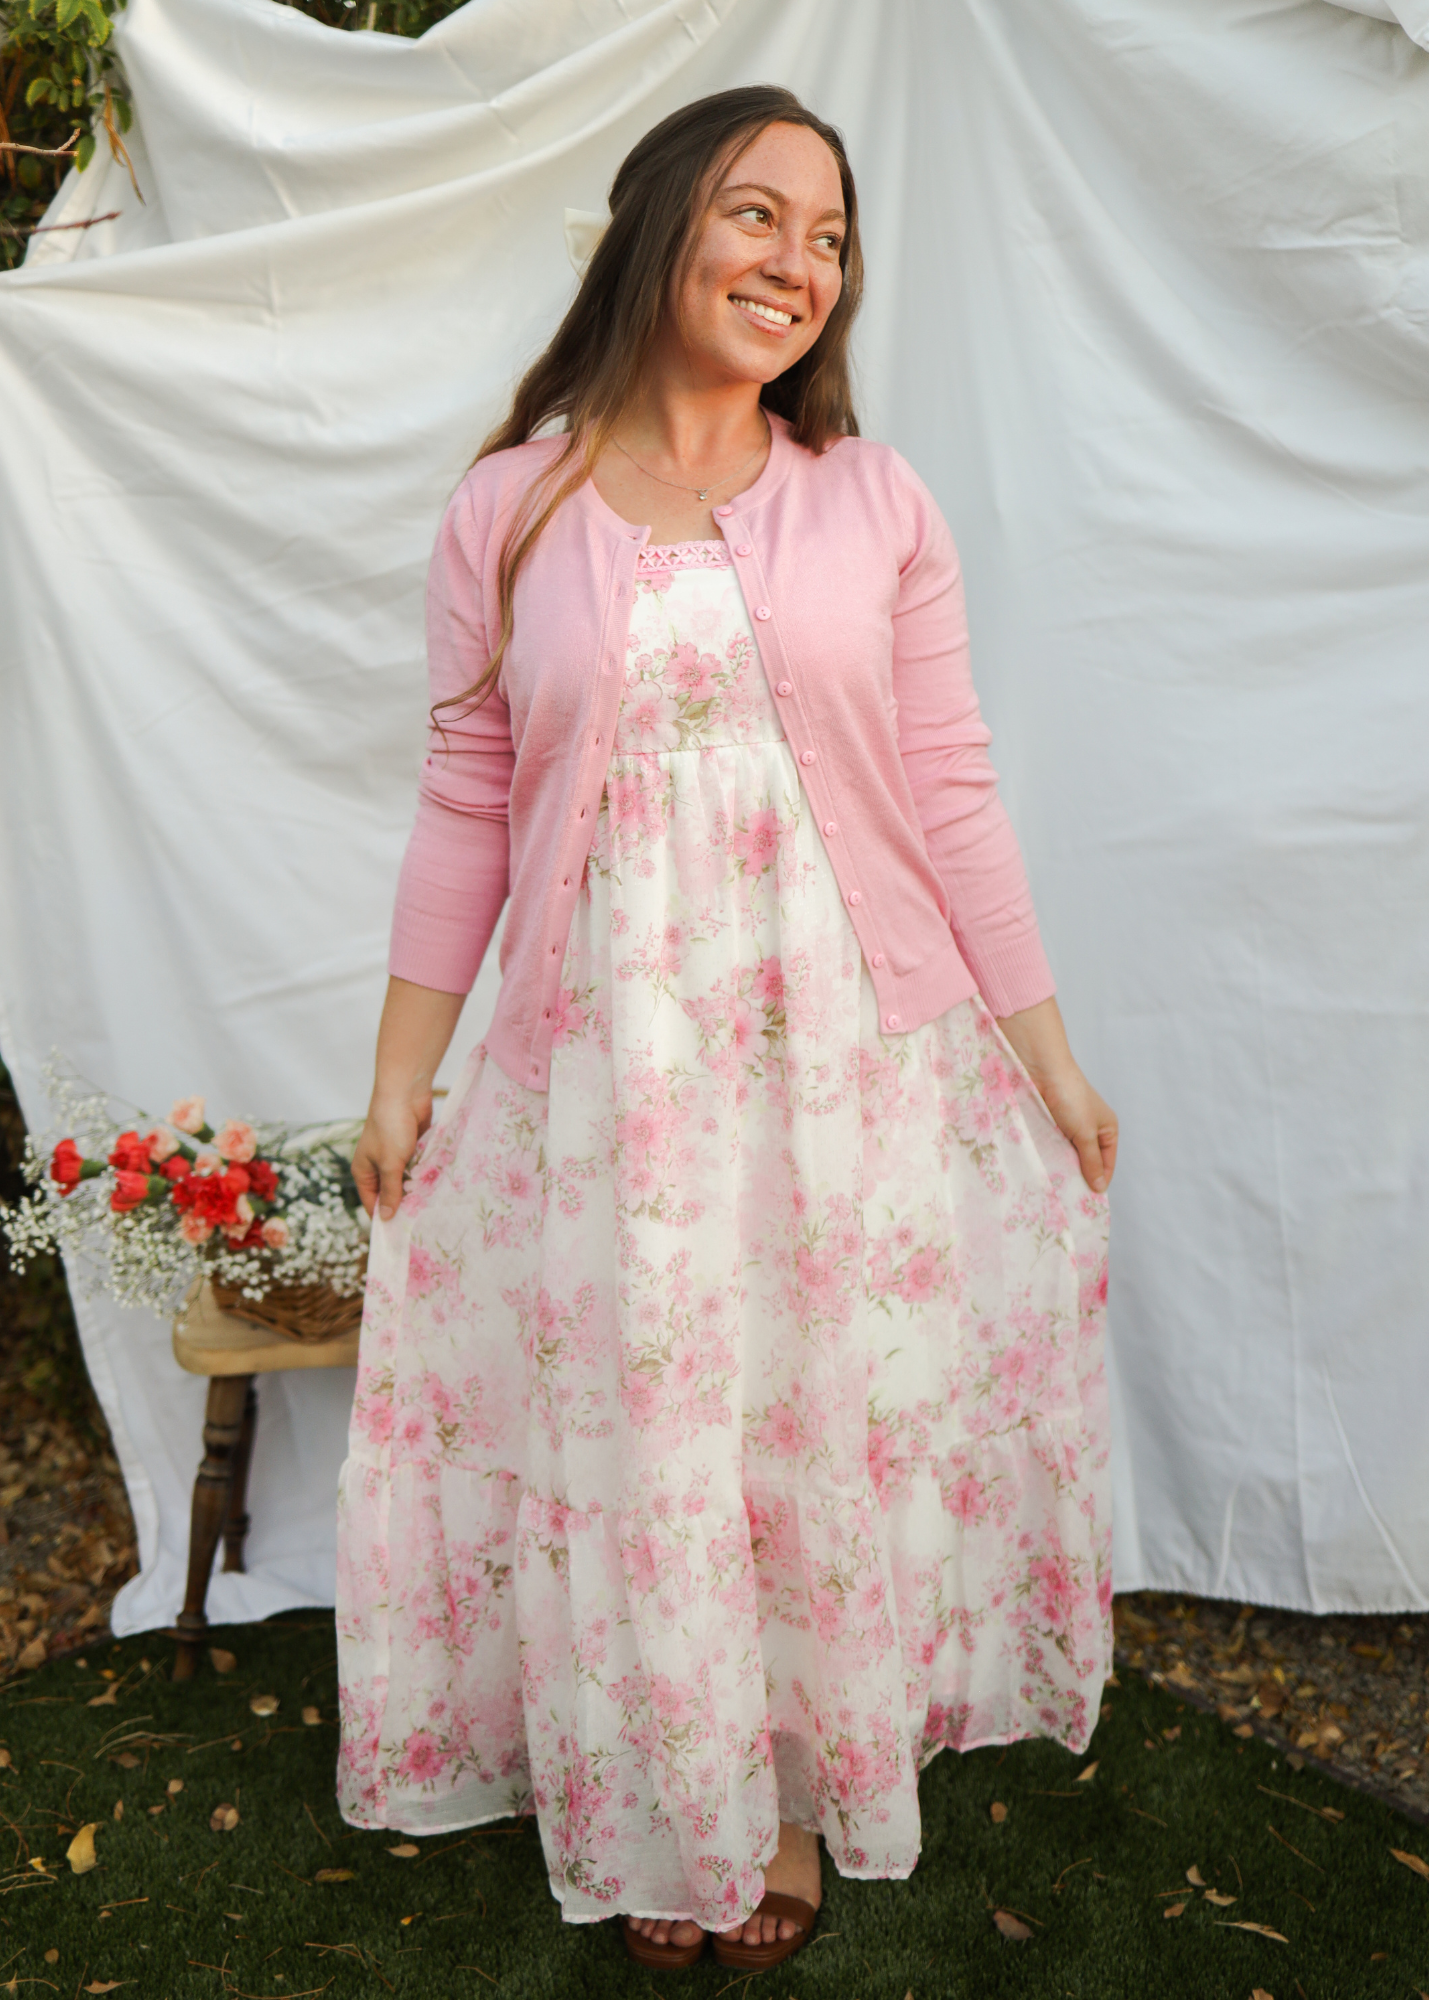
column 590, row 372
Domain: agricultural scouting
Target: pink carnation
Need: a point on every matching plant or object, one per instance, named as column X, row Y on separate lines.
column 187, row 1114
column 236, row 1141
column 194, row 1229
column 275, row 1233
column 162, row 1145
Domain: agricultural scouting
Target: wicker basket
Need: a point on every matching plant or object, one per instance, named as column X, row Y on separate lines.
column 309, row 1313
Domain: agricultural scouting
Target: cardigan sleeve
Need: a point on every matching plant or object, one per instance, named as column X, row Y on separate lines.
column 455, row 874
column 943, row 742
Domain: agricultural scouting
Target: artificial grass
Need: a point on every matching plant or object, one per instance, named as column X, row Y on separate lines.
column 1083, row 1864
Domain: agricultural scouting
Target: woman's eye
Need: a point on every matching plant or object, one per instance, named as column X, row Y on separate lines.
column 754, row 209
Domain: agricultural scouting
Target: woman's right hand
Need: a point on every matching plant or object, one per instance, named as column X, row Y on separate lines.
column 417, row 1024
column 389, row 1139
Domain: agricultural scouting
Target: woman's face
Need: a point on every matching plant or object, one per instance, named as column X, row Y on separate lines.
column 763, row 274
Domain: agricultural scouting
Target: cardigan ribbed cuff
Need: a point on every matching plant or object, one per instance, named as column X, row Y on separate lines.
column 1012, row 974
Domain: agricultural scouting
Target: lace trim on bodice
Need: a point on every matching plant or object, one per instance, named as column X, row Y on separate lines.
column 657, row 560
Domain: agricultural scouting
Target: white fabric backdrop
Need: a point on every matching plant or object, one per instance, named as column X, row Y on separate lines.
column 1149, row 307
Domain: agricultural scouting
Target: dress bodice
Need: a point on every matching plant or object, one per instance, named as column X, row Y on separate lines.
column 693, row 678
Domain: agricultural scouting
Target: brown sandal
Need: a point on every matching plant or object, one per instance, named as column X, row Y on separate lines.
column 661, row 1957
column 759, row 1957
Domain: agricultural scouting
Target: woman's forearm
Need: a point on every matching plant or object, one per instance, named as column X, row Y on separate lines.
column 1040, row 1040
column 417, row 1025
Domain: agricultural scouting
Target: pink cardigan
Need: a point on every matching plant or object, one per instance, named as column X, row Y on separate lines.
column 856, row 601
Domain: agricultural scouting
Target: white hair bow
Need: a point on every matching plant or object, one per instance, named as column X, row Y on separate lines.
column 583, row 232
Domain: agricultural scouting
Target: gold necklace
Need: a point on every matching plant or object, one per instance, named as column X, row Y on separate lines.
column 700, row 492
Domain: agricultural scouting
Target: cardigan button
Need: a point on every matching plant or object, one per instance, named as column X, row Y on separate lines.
column 894, row 1021
column 762, row 611
column 831, row 827
column 806, row 757
column 879, row 959
column 854, row 896
column 547, row 1015
column 744, row 549
column 724, row 512
column 784, row 687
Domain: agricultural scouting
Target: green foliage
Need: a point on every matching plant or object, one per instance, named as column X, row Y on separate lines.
column 62, row 90
column 59, row 86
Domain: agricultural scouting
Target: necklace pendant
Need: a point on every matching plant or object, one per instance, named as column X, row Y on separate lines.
column 703, row 493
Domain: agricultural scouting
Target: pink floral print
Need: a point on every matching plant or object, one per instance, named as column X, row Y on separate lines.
column 730, row 1432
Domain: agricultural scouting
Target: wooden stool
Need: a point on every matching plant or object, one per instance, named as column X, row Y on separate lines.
column 230, row 1350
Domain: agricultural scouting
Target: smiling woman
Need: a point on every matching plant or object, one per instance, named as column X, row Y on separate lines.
column 730, row 1433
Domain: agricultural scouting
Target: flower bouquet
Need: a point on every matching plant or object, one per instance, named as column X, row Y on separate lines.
column 269, row 1214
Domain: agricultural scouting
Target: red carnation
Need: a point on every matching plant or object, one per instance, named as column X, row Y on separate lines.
column 262, row 1179
column 130, row 1154
column 236, row 1180
column 66, row 1165
column 177, row 1168
column 129, row 1190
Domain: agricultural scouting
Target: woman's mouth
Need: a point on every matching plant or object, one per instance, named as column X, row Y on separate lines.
column 771, row 315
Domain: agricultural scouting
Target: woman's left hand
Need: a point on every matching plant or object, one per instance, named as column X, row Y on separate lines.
column 1081, row 1114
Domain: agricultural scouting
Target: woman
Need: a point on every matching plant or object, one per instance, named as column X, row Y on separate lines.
column 730, row 1431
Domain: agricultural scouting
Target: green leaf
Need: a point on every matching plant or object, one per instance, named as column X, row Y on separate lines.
column 124, row 112
column 66, row 12
column 40, row 91
column 84, row 151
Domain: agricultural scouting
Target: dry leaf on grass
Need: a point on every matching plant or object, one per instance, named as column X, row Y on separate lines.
column 80, row 1853
column 109, row 1698
column 52, row 1957
column 34, row 1655
column 334, row 1875
column 174, row 1787
column 998, row 1811
column 1413, row 1861
column 264, row 1704
column 1011, row 1927
column 223, row 1662
column 1172, row 1735
column 1261, row 1930
column 1181, row 1676
column 223, row 1819
column 312, row 1716
column 6, row 1761
column 1174, row 1910
column 1196, row 1879
column 106, row 1985
column 1260, row 1994
column 119, row 1808
column 1085, row 1777
column 1221, row 1902
column 405, row 1852
column 127, row 1761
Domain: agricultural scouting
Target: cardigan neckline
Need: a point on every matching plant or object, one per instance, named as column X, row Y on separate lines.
column 775, row 470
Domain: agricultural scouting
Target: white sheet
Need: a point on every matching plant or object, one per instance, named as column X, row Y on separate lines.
column 1149, row 307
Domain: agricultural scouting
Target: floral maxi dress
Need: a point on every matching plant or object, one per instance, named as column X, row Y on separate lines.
column 730, row 1431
